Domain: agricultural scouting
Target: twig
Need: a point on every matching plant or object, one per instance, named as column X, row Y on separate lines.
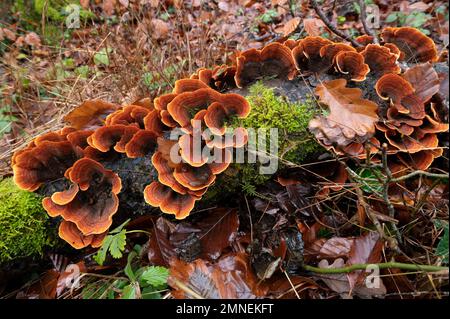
column 368, row 210
column 367, row 29
column 330, row 26
column 386, row 183
column 415, row 173
column 425, row 268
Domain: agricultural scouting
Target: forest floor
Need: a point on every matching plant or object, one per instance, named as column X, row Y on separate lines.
column 124, row 50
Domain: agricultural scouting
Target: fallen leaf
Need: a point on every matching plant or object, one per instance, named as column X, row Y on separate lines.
column 90, row 114
column 108, row 7
column 334, row 247
column 223, row 5
column 291, row 26
column 125, row 3
column 365, row 250
column 32, row 39
column 230, row 278
column 9, row 34
column 160, row 29
column 351, row 118
column 313, row 26
column 424, row 80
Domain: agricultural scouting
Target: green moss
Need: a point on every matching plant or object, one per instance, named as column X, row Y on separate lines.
column 296, row 143
column 24, row 224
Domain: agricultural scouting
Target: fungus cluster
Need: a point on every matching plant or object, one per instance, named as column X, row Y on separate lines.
column 402, row 111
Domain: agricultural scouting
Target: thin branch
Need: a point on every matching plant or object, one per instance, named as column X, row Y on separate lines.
column 348, row 269
column 330, row 25
column 367, row 29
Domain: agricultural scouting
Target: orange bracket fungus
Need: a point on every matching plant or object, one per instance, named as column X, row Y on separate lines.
column 143, row 157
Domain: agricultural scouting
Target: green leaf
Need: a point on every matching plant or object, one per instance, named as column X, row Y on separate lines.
column 442, row 247
column 130, row 292
column 119, row 228
column 150, row 293
column 366, row 176
column 82, row 71
column 155, row 276
column 114, row 243
column 128, row 268
column 102, row 57
column 101, row 253
column 391, row 17
column 118, row 244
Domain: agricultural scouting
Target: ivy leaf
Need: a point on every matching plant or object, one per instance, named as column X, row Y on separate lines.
column 155, row 276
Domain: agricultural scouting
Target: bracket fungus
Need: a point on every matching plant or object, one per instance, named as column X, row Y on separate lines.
column 383, row 104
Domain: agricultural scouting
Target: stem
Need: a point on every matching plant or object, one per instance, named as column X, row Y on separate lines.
column 425, row 268
column 367, row 29
column 330, row 25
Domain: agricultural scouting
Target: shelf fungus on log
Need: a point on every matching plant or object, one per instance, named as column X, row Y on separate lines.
column 274, row 60
column 90, row 201
column 370, row 99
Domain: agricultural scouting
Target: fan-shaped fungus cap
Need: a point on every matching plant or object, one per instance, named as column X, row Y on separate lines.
column 191, row 151
column 364, row 40
column 329, row 52
column 165, row 173
column 91, row 202
column 116, row 136
column 352, row 63
column 217, row 115
column 219, row 78
column 413, row 143
column 141, row 144
column 274, row 59
column 170, row 202
column 184, row 107
column 153, row 122
column 43, row 163
column 194, row 178
column 380, row 59
column 79, row 138
column 129, row 115
column 70, row 233
column 90, row 114
column 236, row 138
column 415, row 45
column 307, row 54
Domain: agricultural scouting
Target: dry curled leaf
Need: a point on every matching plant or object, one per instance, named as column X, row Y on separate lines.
column 424, row 80
column 32, row 39
column 231, row 277
column 291, row 26
column 90, row 113
column 351, row 118
column 313, row 26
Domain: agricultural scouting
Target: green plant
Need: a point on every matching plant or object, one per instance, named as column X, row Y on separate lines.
column 415, row 19
column 24, row 225
column 141, row 282
column 442, row 247
column 6, row 119
column 114, row 243
column 291, row 119
column 268, row 16
column 102, row 57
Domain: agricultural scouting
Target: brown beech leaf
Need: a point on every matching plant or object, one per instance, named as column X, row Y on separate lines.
column 424, row 80
column 90, row 113
column 332, row 248
column 218, row 230
column 366, row 250
column 230, row 278
column 351, row 118
column 291, row 26
column 206, row 237
column 313, row 26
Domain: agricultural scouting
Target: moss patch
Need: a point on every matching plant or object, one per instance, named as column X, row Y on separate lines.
column 295, row 141
column 24, row 224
